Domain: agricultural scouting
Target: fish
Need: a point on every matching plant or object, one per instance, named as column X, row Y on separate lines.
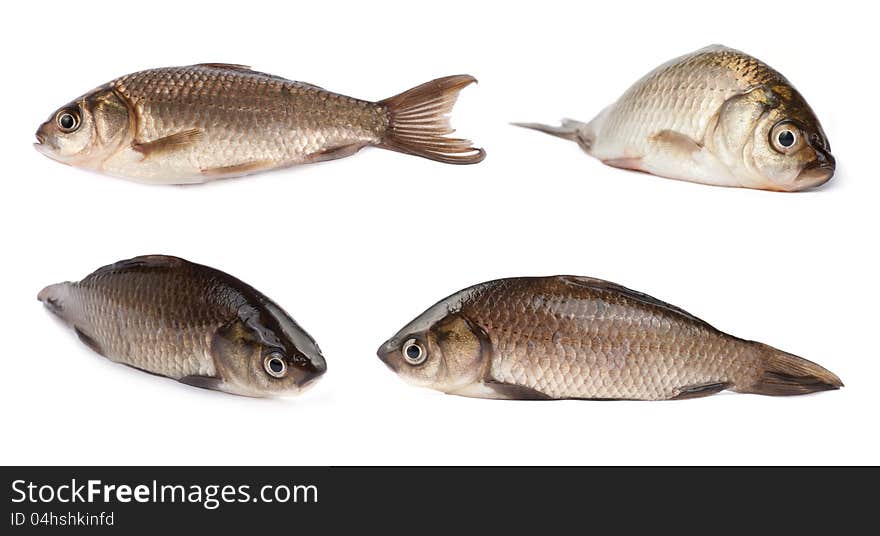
column 191, row 323
column 197, row 123
column 716, row 116
column 572, row 337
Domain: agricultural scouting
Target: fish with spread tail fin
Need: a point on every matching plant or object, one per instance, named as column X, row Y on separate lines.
column 191, row 323
column 569, row 337
column 716, row 116
column 192, row 124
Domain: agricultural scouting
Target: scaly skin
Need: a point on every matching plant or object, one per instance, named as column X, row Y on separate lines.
column 153, row 318
column 245, row 117
column 566, row 339
column 681, row 95
column 188, row 322
column 576, row 337
column 183, row 125
column 714, row 116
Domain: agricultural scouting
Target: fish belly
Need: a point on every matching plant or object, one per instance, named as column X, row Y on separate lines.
column 658, row 126
column 612, row 366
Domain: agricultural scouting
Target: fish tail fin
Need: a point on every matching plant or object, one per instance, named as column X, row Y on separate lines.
column 418, row 122
column 785, row 374
column 577, row 131
column 53, row 297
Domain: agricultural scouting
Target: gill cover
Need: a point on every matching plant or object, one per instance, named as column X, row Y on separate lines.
column 240, row 349
column 458, row 350
column 104, row 124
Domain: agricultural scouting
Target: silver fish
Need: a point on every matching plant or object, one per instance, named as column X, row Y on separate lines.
column 191, row 323
column 578, row 337
column 197, row 123
column 715, row 116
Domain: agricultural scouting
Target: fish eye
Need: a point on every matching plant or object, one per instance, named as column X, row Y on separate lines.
column 414, row 353
column 67, row 120
column 275, row 365
column 785, row 137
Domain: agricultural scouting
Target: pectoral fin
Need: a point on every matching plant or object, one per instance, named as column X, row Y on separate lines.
column 511, row 391
column 203, row 382
column 88, row 341
column 676, row 142
column 500, row 391
column 633, row 164
column 168, row 143
column 678, row 156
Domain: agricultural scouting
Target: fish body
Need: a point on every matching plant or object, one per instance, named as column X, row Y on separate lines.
column 191, row 323
column 716, row 116
column 569, row 337
column 196, row 123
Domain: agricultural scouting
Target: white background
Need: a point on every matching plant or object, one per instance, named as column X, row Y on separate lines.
column 355, row 248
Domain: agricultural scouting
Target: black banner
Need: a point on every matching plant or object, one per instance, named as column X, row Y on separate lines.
column 135, row 500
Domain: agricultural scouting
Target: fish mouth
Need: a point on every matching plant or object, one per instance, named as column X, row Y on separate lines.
column 309, row 382
column 313, row 371
column 44, row 149
column 817, row 172
column 40, row 144
column 43, row 145
column 385, row 351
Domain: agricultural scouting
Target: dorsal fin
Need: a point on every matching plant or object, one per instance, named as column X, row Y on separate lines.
column 717, row 47
column 227, row 66
column 608, row 286
column 247, row 69
column 144, row 261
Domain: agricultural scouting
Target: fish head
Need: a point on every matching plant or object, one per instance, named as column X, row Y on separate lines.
column 87, row 130
column 441, row 349
column 264, row 352
column 773, row 138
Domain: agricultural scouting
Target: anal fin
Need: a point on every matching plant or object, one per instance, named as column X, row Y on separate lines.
column 700, row 390
column 172, row 142
column 334, row 152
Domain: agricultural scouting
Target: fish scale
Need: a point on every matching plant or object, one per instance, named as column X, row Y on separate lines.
column 188, row 322
column 625, row 356
column 244, row 104
column 183, row 125
column 156, row 334
column 565, row 337
column 715, row 116
column 681, row 95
